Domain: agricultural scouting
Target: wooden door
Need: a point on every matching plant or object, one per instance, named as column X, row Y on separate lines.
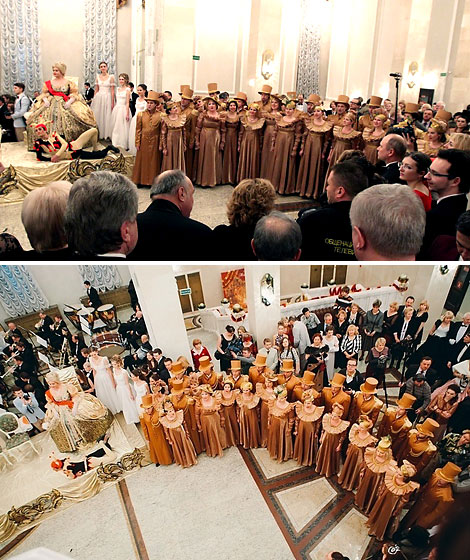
column 197, row 296
column 315, row 276
column 184, row 300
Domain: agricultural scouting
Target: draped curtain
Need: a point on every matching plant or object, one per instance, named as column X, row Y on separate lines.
column 19, row 291
column 101, row 277
column 99, row 37
column 308, row 64
column 20, row 44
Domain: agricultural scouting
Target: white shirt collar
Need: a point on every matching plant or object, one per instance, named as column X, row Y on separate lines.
column 449, row 195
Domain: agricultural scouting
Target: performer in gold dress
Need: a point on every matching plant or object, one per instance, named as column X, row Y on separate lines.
column 270, row 122
column 248, row 417
column 372, row 137
column 228, row 400
column 307, row 428
column 210, row 142
column 265, row 391
column 210, row 422
column 249, row 143
column 62, row 105
column 186, row 403
column 177, row 435
column 232, row 128
column 433, row 140
column 160, row 452
column 396, row 424
column 334, row 433
column 281, row 419
column 173, row 139
column 73, row 418
column 344, row 138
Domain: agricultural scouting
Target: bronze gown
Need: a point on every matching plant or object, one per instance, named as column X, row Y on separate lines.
column 173, row 139
column 249, row 424
column 266, row 166
column 265, row 397
column 210, row 134
column 306, row 440
column 286, row 138
column 280, row 424
column 371, row 143
column 341, row 143
column 311, row 168
column 160, row 452
column 190, row 132
column 187, row 405
column 328, row 459
column 179, row 440
column 229, row 411
column 230, row 164
column 349, row 476
column 371, row 480
column 147, row 141
column 397, row 429
column 209, row 424
column 249, row 142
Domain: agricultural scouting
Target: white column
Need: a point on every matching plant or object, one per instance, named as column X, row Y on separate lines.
column 438, row 289
column 151, row 43
column 263, row 319
column 158, row 296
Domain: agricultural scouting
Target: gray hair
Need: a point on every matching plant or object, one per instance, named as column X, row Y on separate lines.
column 277, row 237
column 168, row 182
column 391, row 217
column 98, row 206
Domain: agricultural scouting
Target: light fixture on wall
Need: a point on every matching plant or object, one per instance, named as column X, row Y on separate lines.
column 267, row 64
column 412, row 70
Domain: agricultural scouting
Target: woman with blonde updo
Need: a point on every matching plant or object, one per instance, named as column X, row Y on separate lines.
column 373, row 136
column 331, row 440
column 249, row 143
column 281, row 420
column 459, row 141
column 121, row 115
column 344, row 138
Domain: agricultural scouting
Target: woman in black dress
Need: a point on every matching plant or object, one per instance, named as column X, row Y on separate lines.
column 421, row 317
column 390, row 316
column 227, row 340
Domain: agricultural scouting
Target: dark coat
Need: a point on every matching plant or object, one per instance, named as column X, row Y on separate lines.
column 94, row 297
column 234, row 243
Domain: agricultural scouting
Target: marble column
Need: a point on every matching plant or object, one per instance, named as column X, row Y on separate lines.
column 263, row 318
column 158, row 296
column 438, row 289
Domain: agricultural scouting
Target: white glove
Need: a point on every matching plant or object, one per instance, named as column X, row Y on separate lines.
column 46, row 102
column 67, row 104
column 452, row 341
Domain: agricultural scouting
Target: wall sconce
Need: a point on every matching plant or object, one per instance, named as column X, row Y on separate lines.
column 412, row 69
column 267, row 64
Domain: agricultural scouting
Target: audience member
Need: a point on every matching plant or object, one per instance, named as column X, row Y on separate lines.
column 27, row 404
column 392, row 149
column 277, row 237
column 22, row 104
column 166, row 231
column 463, row 236
column 388, row 223
column 101, row 215
column 326, row 232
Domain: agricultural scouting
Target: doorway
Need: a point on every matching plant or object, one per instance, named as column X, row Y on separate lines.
column 190, row 291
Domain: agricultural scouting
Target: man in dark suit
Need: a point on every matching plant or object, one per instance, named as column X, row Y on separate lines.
column 424, row 367
column 89, row 93
column 132, row 99
column 449, row 178
column 165, row 230
column 76, row 345
column 460, row 329
column 460, row 351
column 44, row 326
column 391, row 151
column 92, row 293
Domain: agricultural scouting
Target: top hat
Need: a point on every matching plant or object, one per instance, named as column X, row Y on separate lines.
column 205, row 363
column 411, row 108
column 182, row 88
column 338, row 380
column 344, row 99
column 406, row 401
column 375, row 101
column 260, row 360
column 235, row 364
column 308, row 378
column 177, row 387
column 212, row 88
column 292, row 95
column 314, row 98
column 428, row 427
column 177, row 368
column 153, row 96
column 187, row 93
column 287, row 365
column 147, row 401
column 443, row 115
column 369, row 386
column 266, row 89
column 242, row 96
column 448, row 472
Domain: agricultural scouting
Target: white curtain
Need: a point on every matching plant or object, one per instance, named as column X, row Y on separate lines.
column 102, row 278
column 308, row 64
column 99, row 37
column 19, row 291
column 21, row 45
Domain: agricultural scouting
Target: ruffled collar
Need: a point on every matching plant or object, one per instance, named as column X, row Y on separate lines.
column 374, row 465
column 338, row 132
column 173, row 423
column 263, row 394
column 367, row 135
column 360, row 442
column 254, row 126
column 392, row 485
column 280, row 412
column 227, row 402
column 311, row 126
column 311, row 416
column 339, row 429
column 251, row 404
column 177, row 123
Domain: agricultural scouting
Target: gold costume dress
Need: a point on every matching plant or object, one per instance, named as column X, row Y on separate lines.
column 68, row 123
column 328, row 459
column 229, row 412
column 280, row 424
column 387, row 507
column 371, row 479
column 179, row 440
column 311, row 168
column 418, row 451
column 211, row 427
column 173, row 140
column 210, row 136
column 230, row 164
column 397, row 429
column 423, row 144
column 342, row 142
column 371, row 143
column 265, row 396
column 248, row 420
column 307, row 426
column 160, row 452
column 266, row 166
column 187, row 404
column 285, row 141
column 75, row 418
column 349, row 476
column 147, row 141
column 249, row 142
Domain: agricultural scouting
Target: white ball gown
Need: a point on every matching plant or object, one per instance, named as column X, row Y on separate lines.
column 140, row 105
column 127, row 405
column 120, row 134
column 104, row 388
column 101, row 106
column 140, row 391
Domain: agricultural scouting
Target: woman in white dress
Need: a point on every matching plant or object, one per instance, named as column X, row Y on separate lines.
column 121, row 115
column 331, row 340
column 103, row 101
column 141, row 388
column 124, row 390
column 140, row 105
column 105, row 386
